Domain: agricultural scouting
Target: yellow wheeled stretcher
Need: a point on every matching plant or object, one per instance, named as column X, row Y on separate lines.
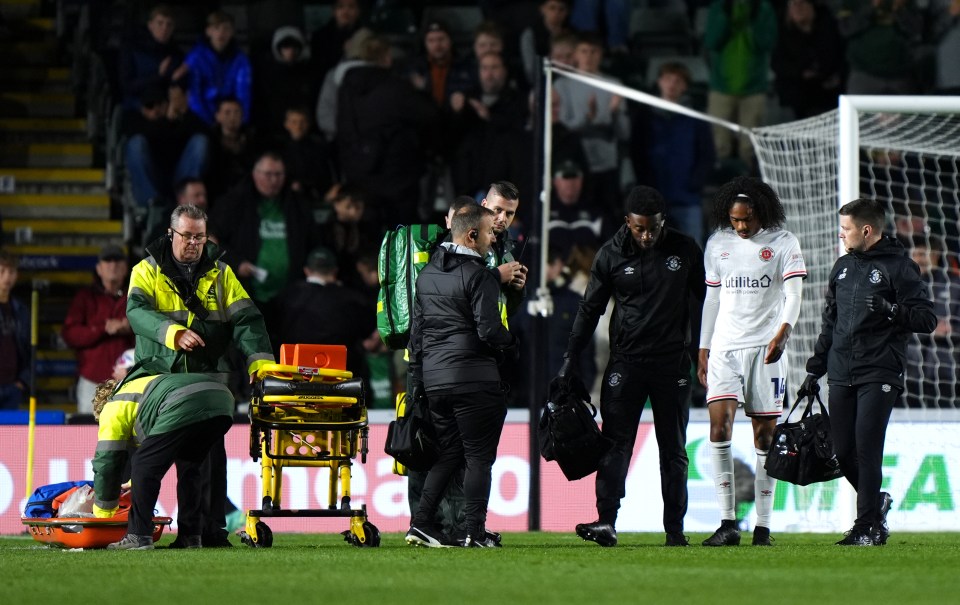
column 308, row 410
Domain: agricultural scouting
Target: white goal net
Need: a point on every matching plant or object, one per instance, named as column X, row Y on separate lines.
column 903, row 151
column 910, row 160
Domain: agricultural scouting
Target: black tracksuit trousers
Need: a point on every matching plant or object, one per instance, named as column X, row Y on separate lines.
column 626, row 387
column 468, row 428
column 858, row 420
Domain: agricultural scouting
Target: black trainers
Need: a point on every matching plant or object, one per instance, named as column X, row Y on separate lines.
column 676, row 539
column 726, row 535
column 881, row 531
column 132, row 542
column 602, row 533
column 215, row 540
column 184, row 541
column 426, row 536
column 856, row 537
column 487, row 539
column 484, row 541
column 761, row 536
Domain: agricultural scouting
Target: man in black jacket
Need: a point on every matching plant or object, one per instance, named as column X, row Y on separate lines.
column 456, row 342
column 266, row 231
column 874, row 300
column 321, row 309
column 384, row 129
column 656, row 277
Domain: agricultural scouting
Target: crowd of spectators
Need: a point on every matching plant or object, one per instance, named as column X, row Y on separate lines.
column 326, row 138
column 410, row 119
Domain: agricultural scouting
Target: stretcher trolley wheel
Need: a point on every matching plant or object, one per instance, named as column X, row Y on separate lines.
column 361, row 533
column 255, row 445
column 262, row 538
column 371, row 535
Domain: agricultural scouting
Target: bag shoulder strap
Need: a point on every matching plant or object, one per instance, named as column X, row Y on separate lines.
column 808, row 409
column 792, row 409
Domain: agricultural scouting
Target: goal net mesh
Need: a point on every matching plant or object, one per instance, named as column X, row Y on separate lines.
column 908, row 160
column 910, row 163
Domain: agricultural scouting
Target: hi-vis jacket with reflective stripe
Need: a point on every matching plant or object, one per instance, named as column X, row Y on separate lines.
column 157, row 312
column 510, row 298
column 152, row 405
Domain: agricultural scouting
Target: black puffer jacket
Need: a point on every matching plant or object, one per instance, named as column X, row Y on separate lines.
column 456, row 337
column 859, row 346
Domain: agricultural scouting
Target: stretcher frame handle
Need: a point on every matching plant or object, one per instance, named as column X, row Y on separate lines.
column 271, row 369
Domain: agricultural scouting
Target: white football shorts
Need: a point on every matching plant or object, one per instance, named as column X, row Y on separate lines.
column 741, row 374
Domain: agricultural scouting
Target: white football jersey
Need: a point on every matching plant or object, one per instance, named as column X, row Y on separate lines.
column 750, row 274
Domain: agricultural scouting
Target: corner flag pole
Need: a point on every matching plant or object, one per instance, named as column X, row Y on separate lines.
column 31, row 431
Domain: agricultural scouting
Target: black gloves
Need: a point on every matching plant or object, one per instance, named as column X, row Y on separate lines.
column 568, row 378
column 809, row 387
column 417, row 394
column 570, row 367
column 879, row 304
column 415, row 390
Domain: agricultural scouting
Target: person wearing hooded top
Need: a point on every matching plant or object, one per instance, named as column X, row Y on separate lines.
column 283, row 79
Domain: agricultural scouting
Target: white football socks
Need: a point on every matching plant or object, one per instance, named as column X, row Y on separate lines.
column 763, row 486
column 722, row 459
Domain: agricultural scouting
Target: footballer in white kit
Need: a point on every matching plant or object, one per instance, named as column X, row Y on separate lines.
column 750, row 275
column 754, row 274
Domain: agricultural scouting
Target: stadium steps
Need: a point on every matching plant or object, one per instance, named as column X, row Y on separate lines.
column 39, row 78
column 20, row 11
column 53, row 197
column 61, row 206
column 54, row 180
column 43, row 130
column 47, row 155
column 66, row 232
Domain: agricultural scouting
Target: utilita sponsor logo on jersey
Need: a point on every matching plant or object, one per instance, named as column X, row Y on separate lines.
column 747, row 282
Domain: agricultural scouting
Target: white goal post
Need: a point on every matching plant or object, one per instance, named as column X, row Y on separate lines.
column 902, row 150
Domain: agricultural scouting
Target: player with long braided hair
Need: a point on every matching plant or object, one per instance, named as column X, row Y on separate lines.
column 752, row 304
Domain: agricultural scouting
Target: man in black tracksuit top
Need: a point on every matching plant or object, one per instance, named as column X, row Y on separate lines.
column 456, row 340
column 656, row 277
column 875, row 299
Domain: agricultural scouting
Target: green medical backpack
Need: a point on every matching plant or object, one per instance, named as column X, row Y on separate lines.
column 403, row 253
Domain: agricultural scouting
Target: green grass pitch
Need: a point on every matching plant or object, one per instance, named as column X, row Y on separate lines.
column 537, row 568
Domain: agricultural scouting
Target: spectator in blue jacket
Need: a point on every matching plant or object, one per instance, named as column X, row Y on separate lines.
column 218, row 68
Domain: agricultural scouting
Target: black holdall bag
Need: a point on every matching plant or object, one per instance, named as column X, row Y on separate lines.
column 411, row 439
column 568, row 431
column 802, row 452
